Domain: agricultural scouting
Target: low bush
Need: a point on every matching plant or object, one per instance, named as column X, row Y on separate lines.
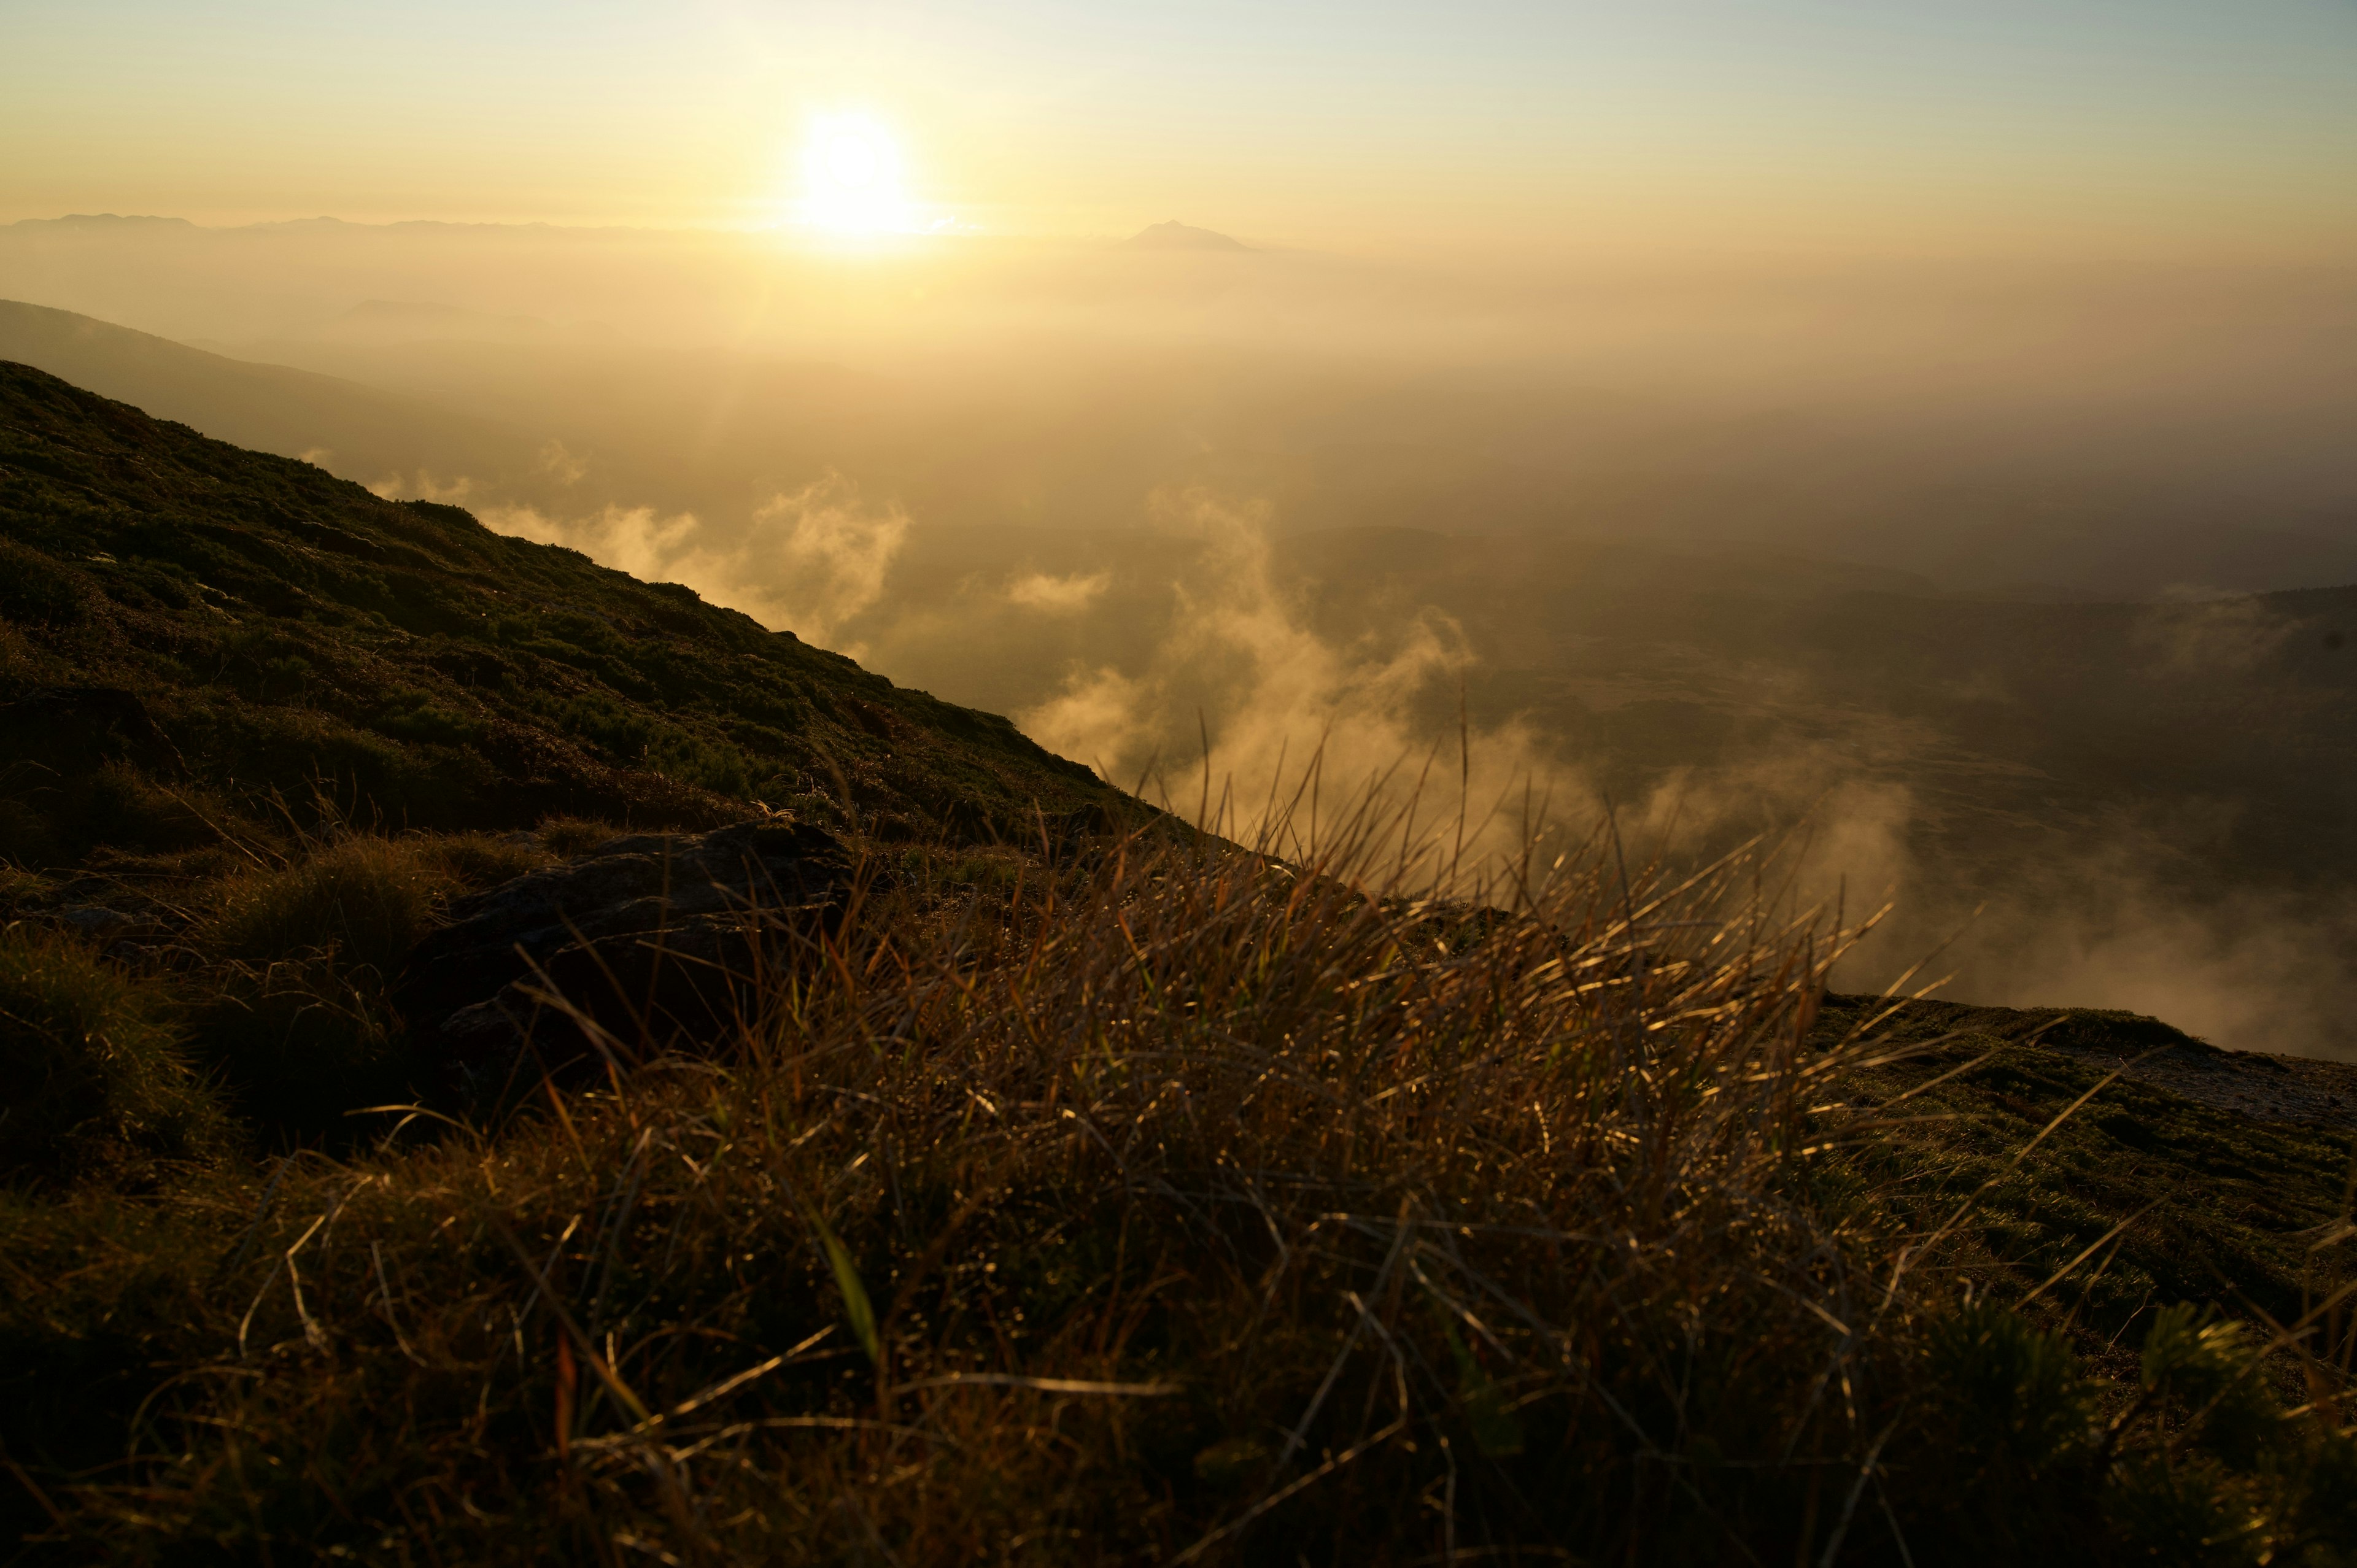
column 363, row 901
column 88, row 1060
column 473, row 861
column 293, row 1012
column 566, row 837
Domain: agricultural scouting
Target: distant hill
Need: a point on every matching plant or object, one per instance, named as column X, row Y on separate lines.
column 103, row 221
column 180, row 615
column 404, row 321
column 358, row 431
column 1177, row 236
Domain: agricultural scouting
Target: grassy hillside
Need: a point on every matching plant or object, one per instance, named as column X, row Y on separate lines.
column 191, row 627
column 1170, row 1213
column 1062, row 1194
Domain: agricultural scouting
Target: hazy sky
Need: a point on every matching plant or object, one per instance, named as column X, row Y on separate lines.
column 2178, row 128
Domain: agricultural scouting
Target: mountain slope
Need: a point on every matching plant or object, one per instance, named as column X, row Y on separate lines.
column 180, row 614
column 357, row 430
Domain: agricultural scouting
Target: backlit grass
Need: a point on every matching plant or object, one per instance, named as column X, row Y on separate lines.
column 1180, row 1205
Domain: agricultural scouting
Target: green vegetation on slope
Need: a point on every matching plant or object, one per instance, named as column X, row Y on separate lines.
column 189, row 627
column 2215, row 1207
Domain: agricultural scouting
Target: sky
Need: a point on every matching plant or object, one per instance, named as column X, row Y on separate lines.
column 2169, row 129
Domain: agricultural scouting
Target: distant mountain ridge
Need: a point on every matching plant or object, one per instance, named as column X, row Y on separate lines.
column 96, row 220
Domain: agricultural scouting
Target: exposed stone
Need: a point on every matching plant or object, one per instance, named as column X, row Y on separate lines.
column 655, row 938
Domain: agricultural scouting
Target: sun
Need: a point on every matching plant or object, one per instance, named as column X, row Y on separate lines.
column 851, row 177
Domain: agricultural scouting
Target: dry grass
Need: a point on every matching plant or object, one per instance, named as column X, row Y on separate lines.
column 1315, row 1209
column 568, row 836
column 362, row 898
column 366, row 900
column 1182, row 1206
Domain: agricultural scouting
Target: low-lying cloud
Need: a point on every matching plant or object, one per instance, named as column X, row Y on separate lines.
column 422, row 486
column 1311, row 723
column 1058, row 595
column 1296, row 723
column 804, row 561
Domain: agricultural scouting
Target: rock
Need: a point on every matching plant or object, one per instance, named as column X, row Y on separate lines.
column 655, row 937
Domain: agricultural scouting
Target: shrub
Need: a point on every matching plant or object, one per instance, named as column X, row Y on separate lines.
column 413, row 715
column 365, row 901
column 568, row 836
column 20, row 661
column 2013, row 1393
column 120, row 807
column 37, row 590
column 87, row 1056
column 473, row 861
column 295, row 1014
column 2212, row 1469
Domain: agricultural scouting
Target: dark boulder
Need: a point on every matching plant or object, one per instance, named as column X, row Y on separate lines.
column 652, row 942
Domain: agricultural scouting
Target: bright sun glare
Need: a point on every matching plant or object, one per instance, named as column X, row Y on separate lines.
column 851, row 177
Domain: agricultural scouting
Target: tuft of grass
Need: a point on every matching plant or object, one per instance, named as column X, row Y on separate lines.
column 18, row 886
column 473, row 861
column 363, row 901
column 294, row 1011
column 25, row 836
column 299, row 1044
column 88, row 1058
column 568, row 836
column 1182, row 1205
column 118, row 806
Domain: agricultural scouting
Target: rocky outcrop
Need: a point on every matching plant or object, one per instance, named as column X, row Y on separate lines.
column 647, row 943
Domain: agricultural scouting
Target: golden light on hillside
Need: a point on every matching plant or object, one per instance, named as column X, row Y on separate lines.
column 852, row 177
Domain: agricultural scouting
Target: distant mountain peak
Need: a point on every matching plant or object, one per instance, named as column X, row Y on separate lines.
column 102, row 220
column 1177, row 236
